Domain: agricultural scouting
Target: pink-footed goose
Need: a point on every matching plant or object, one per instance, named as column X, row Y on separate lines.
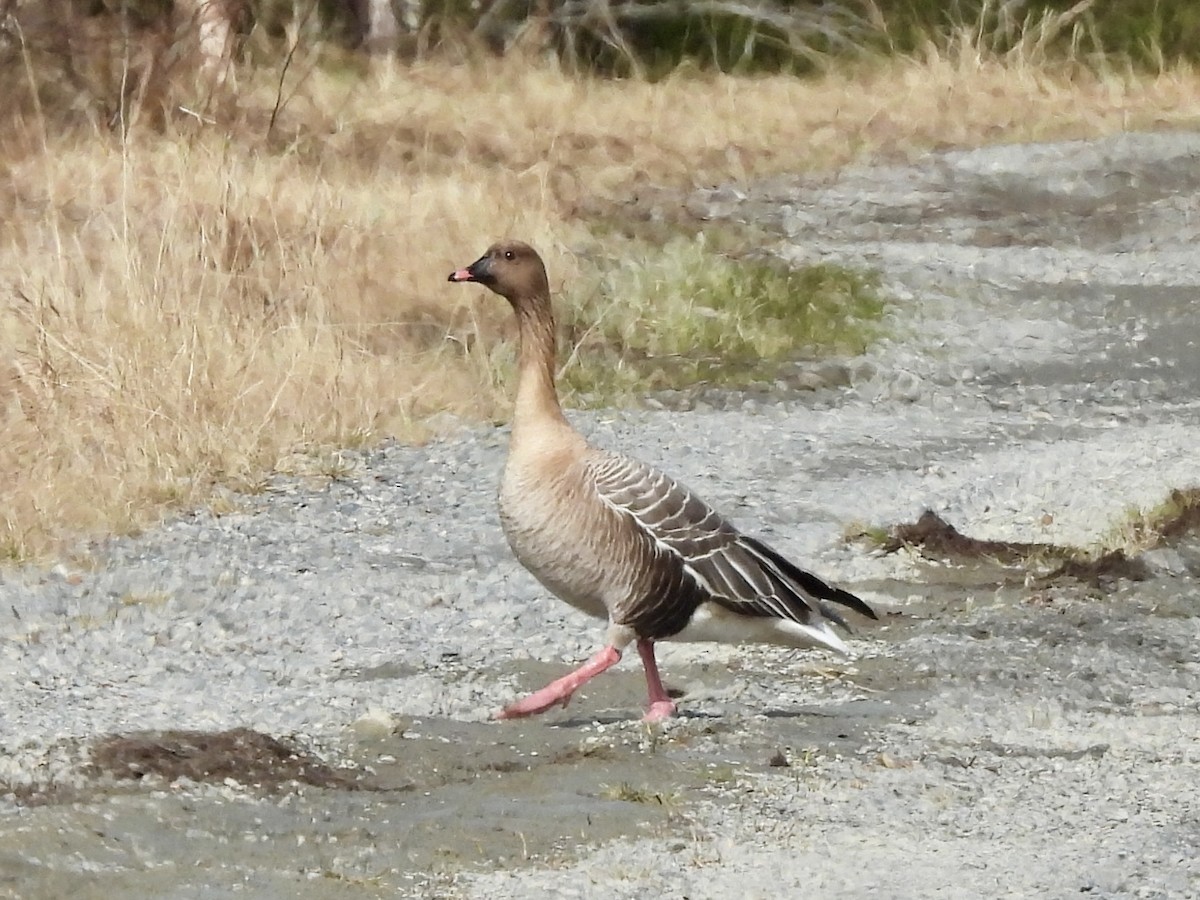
column 621, row 541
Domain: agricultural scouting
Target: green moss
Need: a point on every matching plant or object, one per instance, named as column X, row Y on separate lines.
column 683, row 315
column 874, row 536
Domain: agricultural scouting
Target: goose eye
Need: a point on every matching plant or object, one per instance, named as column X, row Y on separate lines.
column 508, row 254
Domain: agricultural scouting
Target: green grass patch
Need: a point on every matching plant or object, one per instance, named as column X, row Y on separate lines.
column 684, row 315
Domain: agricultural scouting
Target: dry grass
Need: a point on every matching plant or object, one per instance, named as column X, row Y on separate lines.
column 1141, row 529
column 188, row 307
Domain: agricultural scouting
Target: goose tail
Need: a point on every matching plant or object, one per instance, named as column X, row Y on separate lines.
column 811, row 585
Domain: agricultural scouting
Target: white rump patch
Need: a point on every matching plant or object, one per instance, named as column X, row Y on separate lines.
column 713, row 622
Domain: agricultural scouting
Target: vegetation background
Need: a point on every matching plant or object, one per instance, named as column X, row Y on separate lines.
column 225, row 226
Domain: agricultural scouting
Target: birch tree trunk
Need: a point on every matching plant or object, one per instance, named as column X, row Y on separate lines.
column 381, row 25
column 213, row 21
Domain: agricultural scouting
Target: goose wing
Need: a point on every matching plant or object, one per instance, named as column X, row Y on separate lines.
column 736, row 571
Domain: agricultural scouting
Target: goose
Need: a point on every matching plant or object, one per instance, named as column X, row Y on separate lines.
column 623, row 542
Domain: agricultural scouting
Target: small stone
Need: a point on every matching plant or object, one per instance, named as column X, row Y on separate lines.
column 807, row 381
column 834, row 374
column 376, row 723
column 905, row 387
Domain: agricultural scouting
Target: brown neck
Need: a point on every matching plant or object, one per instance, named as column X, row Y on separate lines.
column 537, row 399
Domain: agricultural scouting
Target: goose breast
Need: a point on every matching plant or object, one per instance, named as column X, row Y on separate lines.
column 568, row 551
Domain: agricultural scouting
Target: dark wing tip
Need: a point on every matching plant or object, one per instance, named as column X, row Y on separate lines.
column 848, row 599
column 811, row 583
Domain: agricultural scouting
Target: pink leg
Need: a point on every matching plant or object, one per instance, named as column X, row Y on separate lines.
column 560, row 691
column 661, row 706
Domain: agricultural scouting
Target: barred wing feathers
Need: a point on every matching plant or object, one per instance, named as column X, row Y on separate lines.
column 709, row 559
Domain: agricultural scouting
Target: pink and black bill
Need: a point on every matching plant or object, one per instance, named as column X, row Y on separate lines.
column 478, row 271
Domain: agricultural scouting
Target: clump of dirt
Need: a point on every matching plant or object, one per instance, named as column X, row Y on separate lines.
column 935, row 538
column 248, row 757
column 1107, row 567
column 40, row 794
column 1187, row 520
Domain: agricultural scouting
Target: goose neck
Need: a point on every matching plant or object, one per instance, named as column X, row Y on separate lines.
column 537, row 396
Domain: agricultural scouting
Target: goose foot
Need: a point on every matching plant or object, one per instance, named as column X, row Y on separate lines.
column 659, row 710
column 559, row 692
column 661, row 706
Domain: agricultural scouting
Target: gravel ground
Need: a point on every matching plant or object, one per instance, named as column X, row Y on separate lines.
column 991, row 738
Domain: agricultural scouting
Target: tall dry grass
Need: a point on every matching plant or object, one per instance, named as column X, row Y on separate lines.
column 200, row 305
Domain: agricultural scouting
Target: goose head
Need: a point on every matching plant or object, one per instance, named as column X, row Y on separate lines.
column 513, row 270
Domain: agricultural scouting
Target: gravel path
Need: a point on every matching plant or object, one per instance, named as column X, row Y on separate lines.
column 990, row 740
